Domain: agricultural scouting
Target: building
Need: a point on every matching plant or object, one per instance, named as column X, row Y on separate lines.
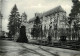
column 54, row 22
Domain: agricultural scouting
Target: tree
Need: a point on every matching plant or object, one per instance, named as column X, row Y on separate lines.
column 73, row 15
column 22, row 38
column 14, row 21
column 75, row 9
column 36, row 31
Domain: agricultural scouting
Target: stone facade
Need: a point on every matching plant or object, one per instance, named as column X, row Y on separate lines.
column 54, row 22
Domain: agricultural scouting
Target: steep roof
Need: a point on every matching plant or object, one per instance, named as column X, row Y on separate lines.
column 32, row 19
column 52, row 11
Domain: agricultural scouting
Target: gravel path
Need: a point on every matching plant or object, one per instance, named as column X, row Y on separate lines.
column 9, row 48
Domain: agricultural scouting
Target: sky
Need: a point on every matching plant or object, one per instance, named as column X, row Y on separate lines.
column 30, row 7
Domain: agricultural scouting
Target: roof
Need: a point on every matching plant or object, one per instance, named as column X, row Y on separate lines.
column 37, row 14
column 52, row 11
column 32, row 19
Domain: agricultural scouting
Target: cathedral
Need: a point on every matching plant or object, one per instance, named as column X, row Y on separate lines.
column 54, row 22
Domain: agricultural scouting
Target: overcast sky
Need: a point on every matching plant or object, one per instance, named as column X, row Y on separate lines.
column 31, row 7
